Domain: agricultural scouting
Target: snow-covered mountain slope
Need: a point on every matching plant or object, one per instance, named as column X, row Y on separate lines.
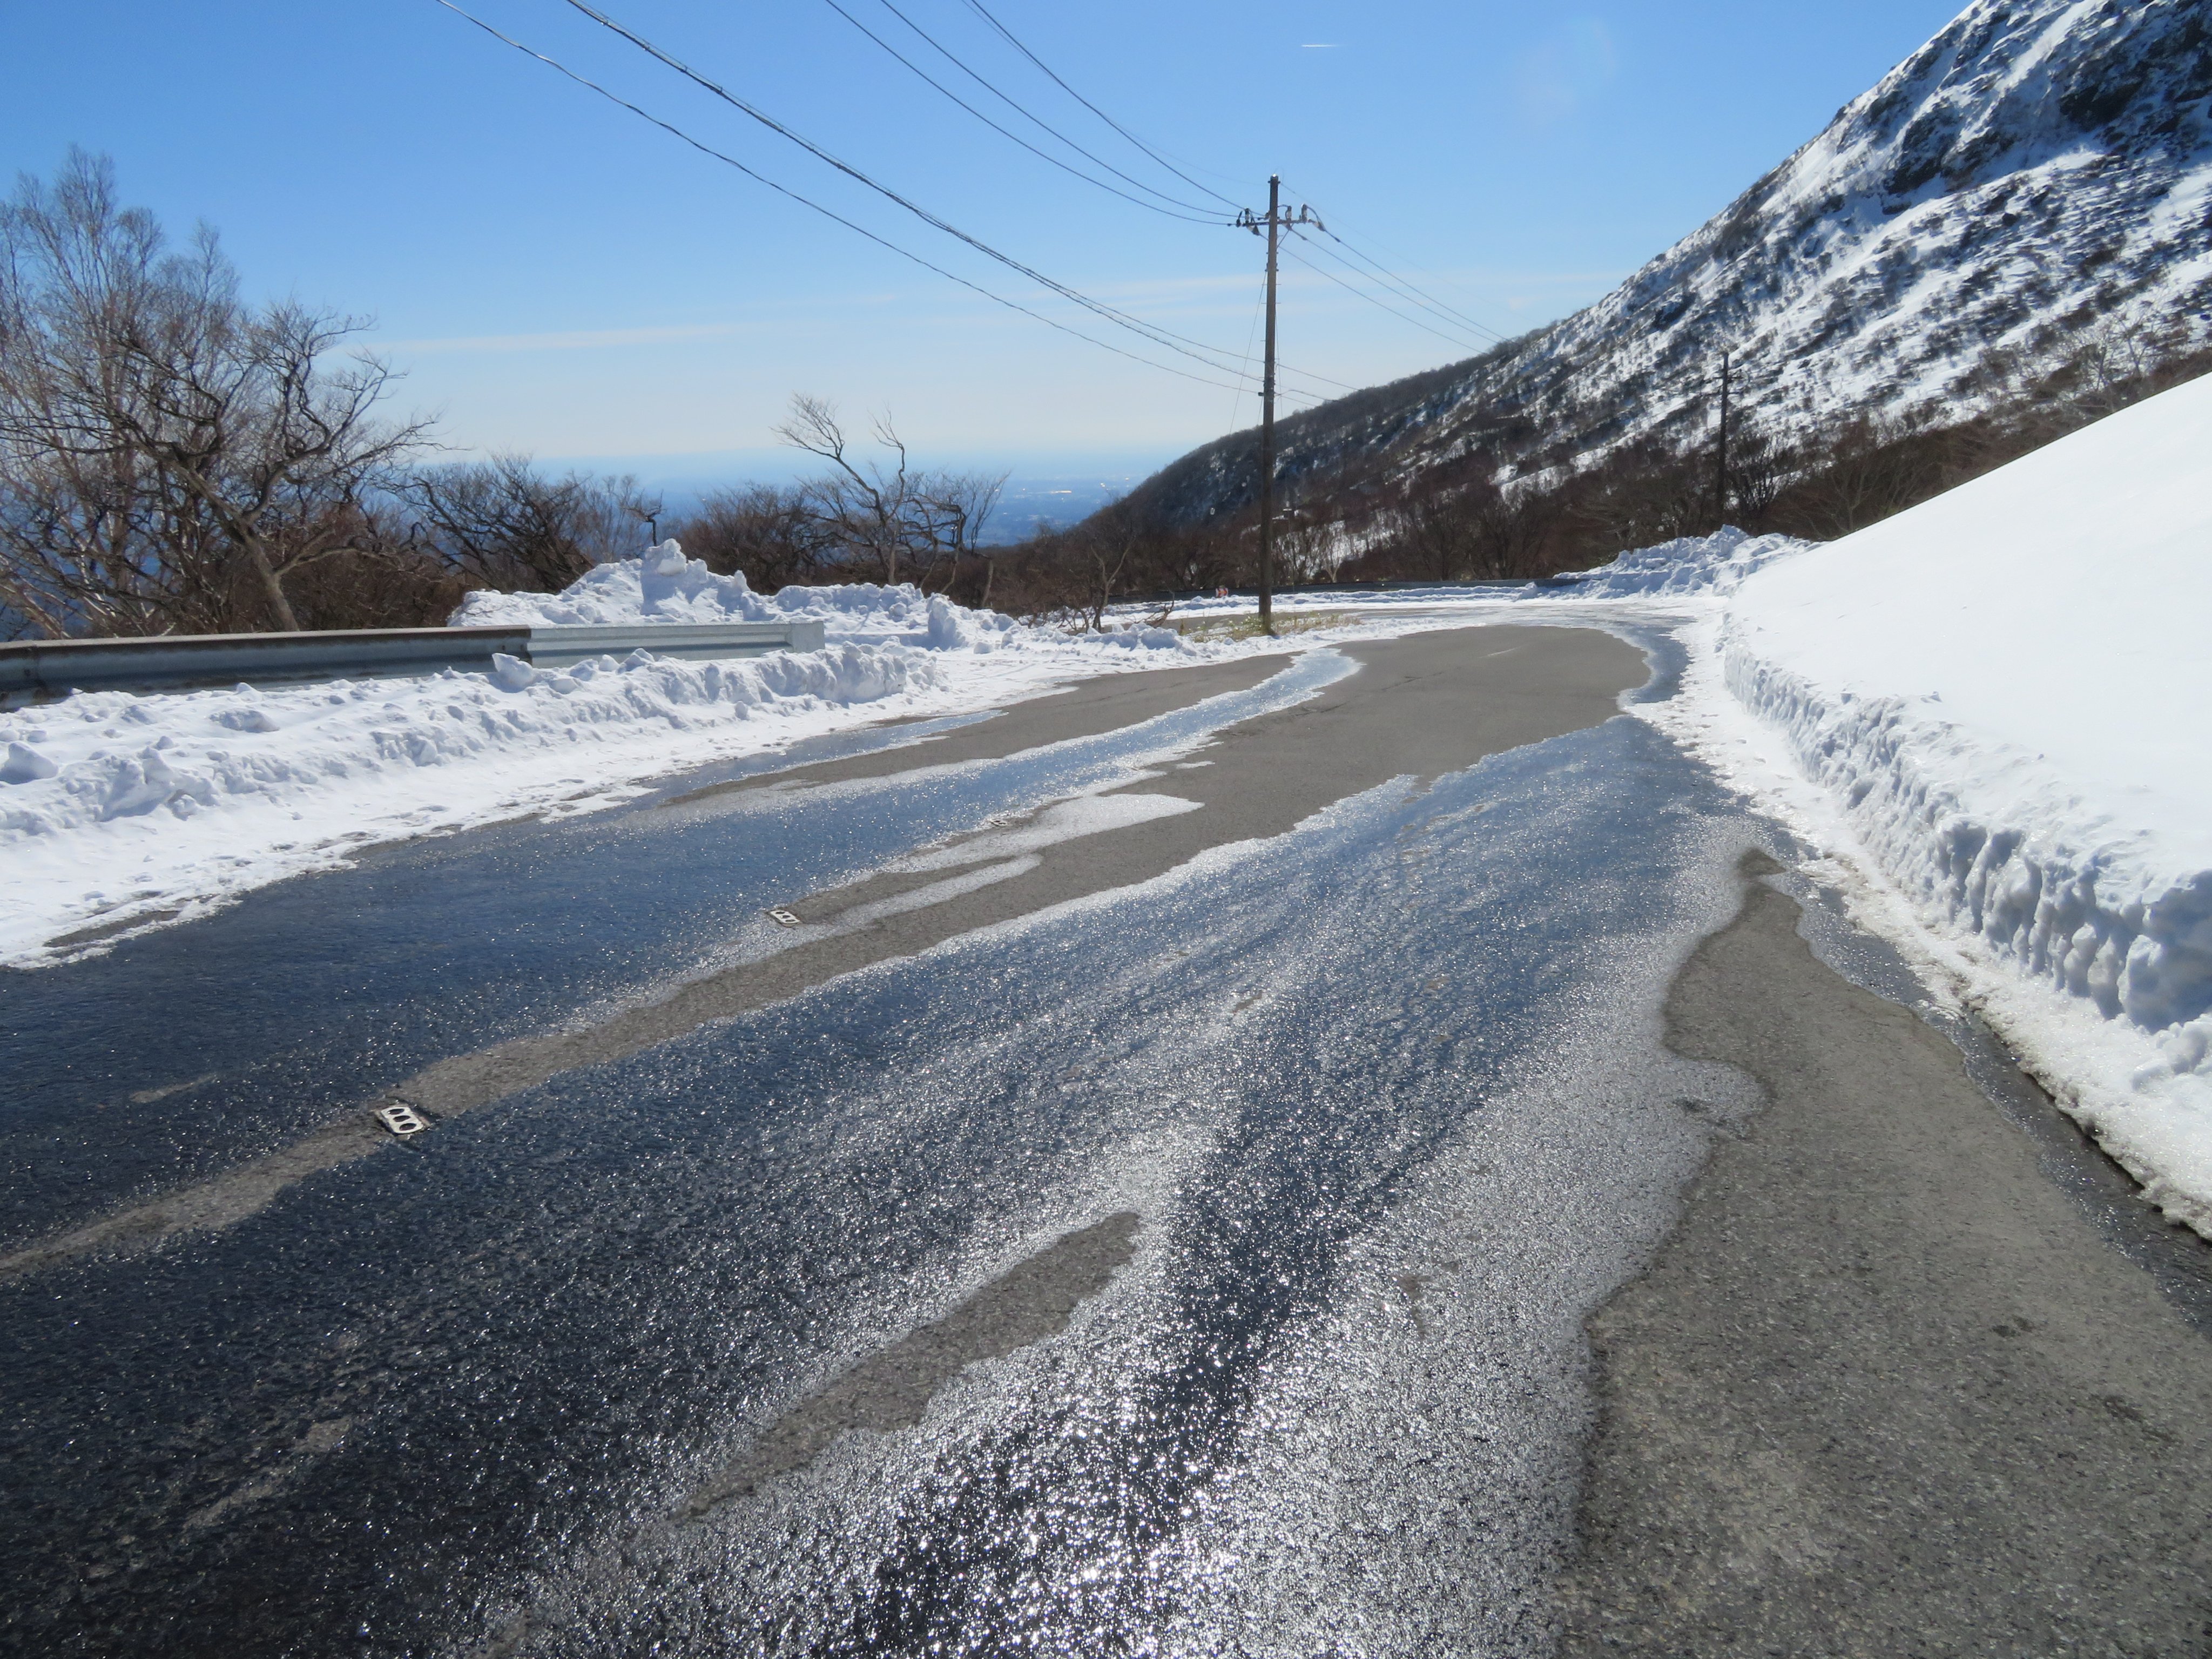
column 2033, row 183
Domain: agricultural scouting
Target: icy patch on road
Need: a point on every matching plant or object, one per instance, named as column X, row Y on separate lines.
column 1068, row 820
column 1417, row 1039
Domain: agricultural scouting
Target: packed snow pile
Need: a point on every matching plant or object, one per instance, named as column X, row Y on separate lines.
column 663, row 586
column 103, row 755
column 2008, row 690
column 1714, row 565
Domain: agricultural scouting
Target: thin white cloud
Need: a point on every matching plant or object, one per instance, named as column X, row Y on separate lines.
column 584, row 339
column 1564, row 74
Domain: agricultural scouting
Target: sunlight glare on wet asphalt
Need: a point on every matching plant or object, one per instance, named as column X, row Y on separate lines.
column 1197, row 1267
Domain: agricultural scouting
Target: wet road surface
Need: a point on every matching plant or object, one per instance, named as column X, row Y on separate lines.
column 1886, row 1390
column 1149, row 1202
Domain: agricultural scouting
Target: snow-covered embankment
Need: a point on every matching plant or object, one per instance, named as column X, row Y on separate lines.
column 118, row 809
column 2005, row 697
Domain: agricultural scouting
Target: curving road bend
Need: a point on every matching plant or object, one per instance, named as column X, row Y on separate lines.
column 1145, row 1195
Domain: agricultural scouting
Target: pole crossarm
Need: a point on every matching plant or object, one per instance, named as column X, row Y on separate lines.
column 1284, row 219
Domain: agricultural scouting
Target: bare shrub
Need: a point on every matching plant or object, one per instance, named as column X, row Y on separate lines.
column 765, row 532
column 500, row 523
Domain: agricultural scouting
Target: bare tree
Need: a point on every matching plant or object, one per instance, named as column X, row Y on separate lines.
column 644, row 508
column 1105, row 542
column 1643, row 494
column 1475, row 532
column 1306, row 544
column 946, row 515
column 1869, row 471
column 1512, row 530
column 886, row 517
column 1436, row 534
column 1759, row 471
column 166, row 450
column 862, row 510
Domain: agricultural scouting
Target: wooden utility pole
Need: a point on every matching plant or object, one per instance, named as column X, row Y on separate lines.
column 1272, row 228
column 1267, row 421
column 1720, row 460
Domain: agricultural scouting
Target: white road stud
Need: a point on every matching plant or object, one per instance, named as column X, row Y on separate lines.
column 783, row 918
column 402, row 1121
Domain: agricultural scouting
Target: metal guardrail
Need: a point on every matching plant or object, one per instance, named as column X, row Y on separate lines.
column 33, row 670
column 560, row 647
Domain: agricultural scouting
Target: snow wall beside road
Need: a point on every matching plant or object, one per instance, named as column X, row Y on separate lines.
column 2008, row 691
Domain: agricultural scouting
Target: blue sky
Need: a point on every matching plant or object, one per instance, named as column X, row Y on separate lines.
column 556, row 277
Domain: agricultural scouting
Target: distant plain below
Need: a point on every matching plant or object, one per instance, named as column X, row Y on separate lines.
column 1054, row 489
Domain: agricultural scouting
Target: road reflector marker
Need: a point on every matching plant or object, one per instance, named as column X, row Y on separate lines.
column 402, row 1121
column 783, row 918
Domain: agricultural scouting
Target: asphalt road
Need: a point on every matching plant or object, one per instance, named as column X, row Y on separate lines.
column 1886, row 1390
column 1314, row 1155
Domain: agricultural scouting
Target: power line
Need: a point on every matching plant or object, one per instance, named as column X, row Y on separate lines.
column 1374, row 264
column 1179, row 343
column 1183, row 344
column 1252, row 333
column 1035, row 119
column 1363, row 294
column 1405, row 287
column 1165, row 160
column 976, row 6
column 1074, row 172
column 1410, row 289
column 1368, row 268
column 1012, row 104
column 1149, row 332
column 828, row 213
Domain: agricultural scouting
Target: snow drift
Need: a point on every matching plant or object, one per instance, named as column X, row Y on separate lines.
column 1714, row 565
column 2008, row 692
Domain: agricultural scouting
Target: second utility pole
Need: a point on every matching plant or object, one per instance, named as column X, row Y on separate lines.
column 1720, row 457
column 1276, row 223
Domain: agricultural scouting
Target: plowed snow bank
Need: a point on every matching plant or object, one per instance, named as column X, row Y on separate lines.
column 116, row 809
column 2007, row 695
